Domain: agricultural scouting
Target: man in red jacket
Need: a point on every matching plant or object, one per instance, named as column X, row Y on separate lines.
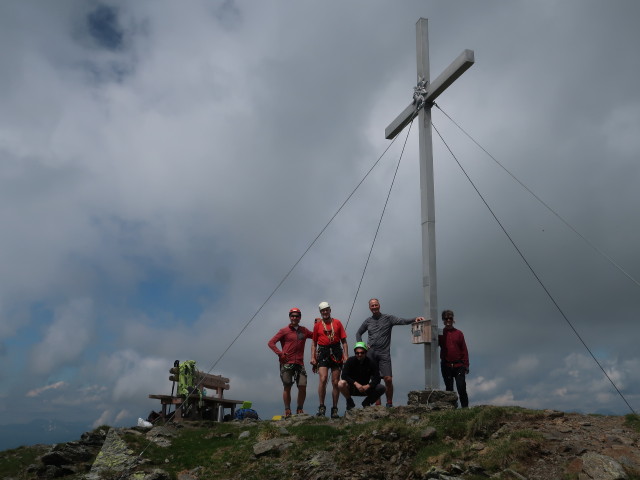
column 454, row 358
column 292, row 339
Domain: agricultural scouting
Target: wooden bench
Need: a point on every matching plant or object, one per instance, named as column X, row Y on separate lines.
column 194, row 406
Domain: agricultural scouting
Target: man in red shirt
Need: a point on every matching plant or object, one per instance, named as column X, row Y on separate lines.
column 328, row 351
column 292, row 340
column 454, row 358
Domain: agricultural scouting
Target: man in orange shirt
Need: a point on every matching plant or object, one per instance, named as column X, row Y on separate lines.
column 328, row 351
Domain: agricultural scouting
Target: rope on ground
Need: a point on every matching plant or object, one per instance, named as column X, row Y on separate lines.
column 533, row 271
column 585, row 239
column 379, row 223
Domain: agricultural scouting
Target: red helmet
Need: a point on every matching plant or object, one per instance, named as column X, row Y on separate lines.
column 295, row 310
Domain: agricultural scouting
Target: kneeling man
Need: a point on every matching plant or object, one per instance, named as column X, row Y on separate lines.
column 361, row 378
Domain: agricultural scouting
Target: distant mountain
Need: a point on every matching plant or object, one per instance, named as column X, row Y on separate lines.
column 40, row 431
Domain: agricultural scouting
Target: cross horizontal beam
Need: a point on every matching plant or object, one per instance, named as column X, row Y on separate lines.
column 434, row 89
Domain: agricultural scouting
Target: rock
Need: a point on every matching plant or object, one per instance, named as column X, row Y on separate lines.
column 428, row 433
column 602, row 467
column 55, row 471
column 161, row 435
column 190, row 475
column 503, row 430
column 271, row 445
column 435, row 472
column 475, row 469
column 156, row 474
column 553, row 414
column 94, row 438
column 244, row 434
column 433, row 398
column 114, row 456
column 365, row 415
column 67, row 454
column 513, row 474
column 413, row 419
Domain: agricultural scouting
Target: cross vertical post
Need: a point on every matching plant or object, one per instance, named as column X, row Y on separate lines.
column 425, row 94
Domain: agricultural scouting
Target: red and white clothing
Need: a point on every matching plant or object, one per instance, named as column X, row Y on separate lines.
column 328, row 333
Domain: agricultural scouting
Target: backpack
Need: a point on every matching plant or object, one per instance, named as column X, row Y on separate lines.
column 243, row 413
column 187, row 377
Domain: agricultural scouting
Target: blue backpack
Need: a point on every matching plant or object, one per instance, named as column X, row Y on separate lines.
column 243, row 413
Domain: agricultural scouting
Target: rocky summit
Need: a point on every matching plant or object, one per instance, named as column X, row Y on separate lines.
column 417, row 441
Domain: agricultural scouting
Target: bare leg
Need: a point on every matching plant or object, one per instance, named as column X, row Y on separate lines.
column 302, row 395
column 335, row 394
column 323, row 372
column 343, row 387
column 286, row 397
column 388, row 382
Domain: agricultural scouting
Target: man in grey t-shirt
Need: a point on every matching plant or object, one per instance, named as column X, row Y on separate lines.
column 379, row 326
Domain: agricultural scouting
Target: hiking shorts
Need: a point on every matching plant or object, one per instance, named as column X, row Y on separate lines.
column 291, row 373
column 329, row 356
column 384, row 361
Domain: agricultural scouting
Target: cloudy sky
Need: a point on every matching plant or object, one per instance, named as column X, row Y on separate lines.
column 163, row 165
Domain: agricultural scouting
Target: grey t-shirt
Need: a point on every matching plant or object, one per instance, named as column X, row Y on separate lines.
column 380, row 331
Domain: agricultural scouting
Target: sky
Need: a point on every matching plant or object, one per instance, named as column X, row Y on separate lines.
column 164, row 165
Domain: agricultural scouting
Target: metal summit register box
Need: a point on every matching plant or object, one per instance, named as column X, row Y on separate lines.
column 421, row 332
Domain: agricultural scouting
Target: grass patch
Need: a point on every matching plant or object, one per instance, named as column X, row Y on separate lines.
column 479, row 422
column 14, row 462
column 437, row 453
column 632, row 420
column 518, row 447
column 195, row 446
column 316, row 433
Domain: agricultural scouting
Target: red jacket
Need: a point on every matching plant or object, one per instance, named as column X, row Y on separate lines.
column 292, row 343
column 453, row 349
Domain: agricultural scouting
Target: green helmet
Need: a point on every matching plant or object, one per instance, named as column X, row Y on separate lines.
column 360, row 345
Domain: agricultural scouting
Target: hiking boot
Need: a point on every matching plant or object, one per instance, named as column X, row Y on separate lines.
column 322, row 411
column 287, row 412
column 366, row 403
column 299, row 411
column 350, row 404
column 334, row 412
column 389, row 405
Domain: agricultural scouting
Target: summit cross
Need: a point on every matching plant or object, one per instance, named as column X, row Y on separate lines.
column 424, row 95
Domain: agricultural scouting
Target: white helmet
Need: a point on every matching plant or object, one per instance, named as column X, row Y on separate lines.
column 324, row 305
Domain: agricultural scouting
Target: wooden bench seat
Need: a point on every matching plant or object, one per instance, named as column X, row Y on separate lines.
column 195, row 406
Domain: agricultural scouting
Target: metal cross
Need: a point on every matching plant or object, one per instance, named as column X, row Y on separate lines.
column 424, row 95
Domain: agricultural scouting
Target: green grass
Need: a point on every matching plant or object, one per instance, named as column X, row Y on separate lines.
column 14, row 462
column 512, row 450
column 632, row 420
column 197, row 446
column 477, row 423
column 316, row 433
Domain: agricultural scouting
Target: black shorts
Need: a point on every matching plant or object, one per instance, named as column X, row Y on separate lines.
column 329, row 356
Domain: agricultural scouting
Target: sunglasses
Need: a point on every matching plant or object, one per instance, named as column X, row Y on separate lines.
column 360, row 353
column 295, row 316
